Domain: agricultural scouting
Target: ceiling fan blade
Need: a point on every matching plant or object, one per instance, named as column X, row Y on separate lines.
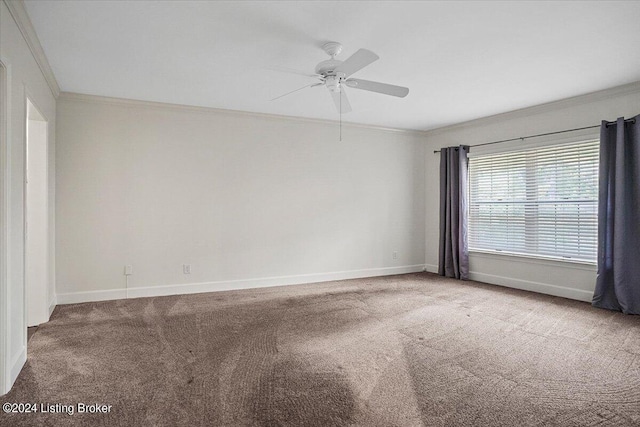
column 303, row 87
column 392, row 90
column 341, row 101
column 356, row 62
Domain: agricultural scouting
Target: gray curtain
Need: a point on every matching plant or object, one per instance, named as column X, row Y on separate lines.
column 618, row 282
column 454, row 251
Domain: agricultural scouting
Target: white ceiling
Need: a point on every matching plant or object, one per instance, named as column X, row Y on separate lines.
column 461, row 60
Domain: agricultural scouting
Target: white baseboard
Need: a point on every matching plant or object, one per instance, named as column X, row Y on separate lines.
column 92, row 296
column 525, row 285
column 17, row 364
column 228, row 285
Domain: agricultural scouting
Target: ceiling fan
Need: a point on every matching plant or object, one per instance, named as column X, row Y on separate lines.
column 336, row 74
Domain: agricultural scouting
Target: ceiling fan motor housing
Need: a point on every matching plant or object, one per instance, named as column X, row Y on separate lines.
column 327, row 67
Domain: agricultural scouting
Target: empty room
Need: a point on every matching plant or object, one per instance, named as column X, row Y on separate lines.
column 319, row 213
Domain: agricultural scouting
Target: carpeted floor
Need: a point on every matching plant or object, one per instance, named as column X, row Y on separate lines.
column 405, row 350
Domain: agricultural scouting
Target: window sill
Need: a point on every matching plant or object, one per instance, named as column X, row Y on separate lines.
column 532, row 259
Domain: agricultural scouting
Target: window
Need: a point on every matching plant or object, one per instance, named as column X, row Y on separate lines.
column 540, row 202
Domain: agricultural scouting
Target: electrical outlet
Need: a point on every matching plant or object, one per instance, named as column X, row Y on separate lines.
column 186, row 268
column 128, row 270
column 395, row 255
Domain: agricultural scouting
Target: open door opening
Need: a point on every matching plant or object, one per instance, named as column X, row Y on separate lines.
column 36, row 218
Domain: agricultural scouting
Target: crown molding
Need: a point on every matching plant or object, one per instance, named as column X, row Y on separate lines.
column 72, row 96
column 573, row 101
column 613, row 92
column 21, row 17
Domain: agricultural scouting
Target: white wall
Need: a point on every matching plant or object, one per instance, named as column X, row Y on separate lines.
column 245, row 199
column 25, row 77
column 556, row 278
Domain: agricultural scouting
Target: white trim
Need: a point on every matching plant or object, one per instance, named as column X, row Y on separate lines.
column 22, row 20
column 70, row 96
column 496, row 118
column 4, row 226
column 25, row 230
column 17, row 364
column 228, row 285
column 527, row 285
column 91, row 296
column 552, row 106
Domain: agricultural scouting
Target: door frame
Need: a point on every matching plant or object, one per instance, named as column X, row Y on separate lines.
column 28, row 99
column 5, row 369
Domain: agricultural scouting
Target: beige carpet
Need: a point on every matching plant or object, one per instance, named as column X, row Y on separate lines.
column 404, row 350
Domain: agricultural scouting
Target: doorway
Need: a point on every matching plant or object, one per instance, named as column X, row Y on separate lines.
column 36, row 217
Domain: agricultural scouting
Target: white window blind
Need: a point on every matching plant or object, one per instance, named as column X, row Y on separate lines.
column 540, row 202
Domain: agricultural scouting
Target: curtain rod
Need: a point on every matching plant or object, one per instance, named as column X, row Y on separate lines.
column 522, row 138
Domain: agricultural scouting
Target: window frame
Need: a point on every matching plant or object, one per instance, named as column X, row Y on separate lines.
column 520, row 146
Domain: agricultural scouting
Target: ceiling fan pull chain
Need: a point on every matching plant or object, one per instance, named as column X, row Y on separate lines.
column 341, row 117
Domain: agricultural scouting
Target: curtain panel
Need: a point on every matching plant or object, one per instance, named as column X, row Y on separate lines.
column 453, row 260
column 618, row 280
